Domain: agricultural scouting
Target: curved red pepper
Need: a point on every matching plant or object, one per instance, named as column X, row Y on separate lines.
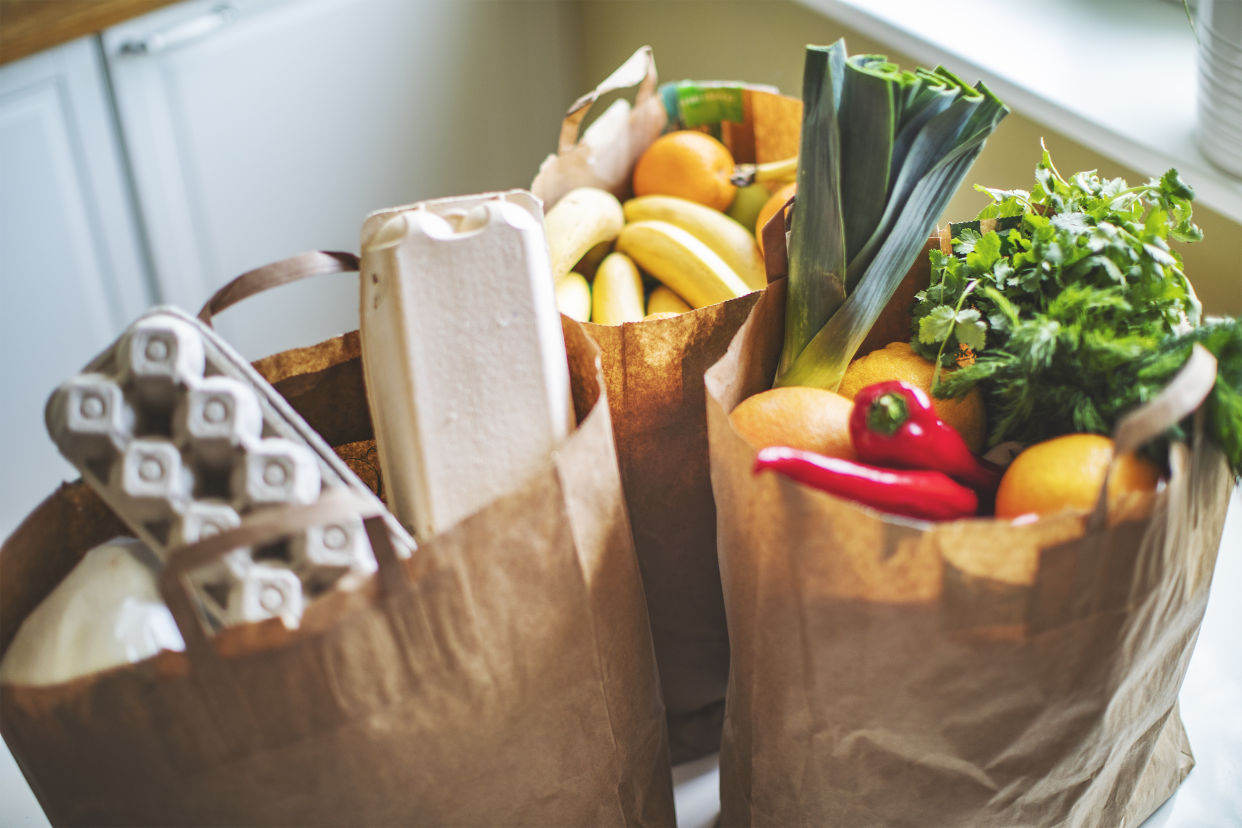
column 894, row 424
column 926, row 495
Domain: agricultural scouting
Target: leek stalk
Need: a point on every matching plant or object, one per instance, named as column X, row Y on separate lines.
column 882, row 153
column 817, row 276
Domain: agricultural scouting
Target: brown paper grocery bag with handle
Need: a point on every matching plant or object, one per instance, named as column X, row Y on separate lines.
column 501, row 675
column 978, row 672
column 654, row 371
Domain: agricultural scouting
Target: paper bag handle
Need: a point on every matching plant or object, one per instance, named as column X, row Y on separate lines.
column 208, row 669
column 638, row 69
column 293, row 269
column 775, row 236
column 1179, row 399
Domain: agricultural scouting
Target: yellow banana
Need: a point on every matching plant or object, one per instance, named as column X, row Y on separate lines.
column 663, row 300
column 589, row 263
column 680, row 261
column 771, row 172
column 727, row 238
column 580, row 220
column 573, row 297
column 617, row 295
column 786, row 170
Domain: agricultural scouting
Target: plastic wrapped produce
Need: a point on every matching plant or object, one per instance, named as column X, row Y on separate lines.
column 105, row 613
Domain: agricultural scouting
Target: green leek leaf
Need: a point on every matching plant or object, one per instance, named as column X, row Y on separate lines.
column 866, row 121
column 933, row 143
column 824, row 360
column 817, row 237
column 882, row 152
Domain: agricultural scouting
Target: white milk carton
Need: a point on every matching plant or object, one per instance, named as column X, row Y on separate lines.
column 463, row 353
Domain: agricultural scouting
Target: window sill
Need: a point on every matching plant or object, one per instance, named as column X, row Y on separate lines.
column 1119, row 78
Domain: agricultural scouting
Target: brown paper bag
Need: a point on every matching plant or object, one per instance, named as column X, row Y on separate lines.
column 654, row 374
column 502, row 675
column 891, row 672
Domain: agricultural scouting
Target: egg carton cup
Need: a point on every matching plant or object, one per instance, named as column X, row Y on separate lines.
column 239, row 590
column 183, row 439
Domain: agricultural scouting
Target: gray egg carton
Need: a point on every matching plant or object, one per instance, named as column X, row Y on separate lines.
column 183, row 439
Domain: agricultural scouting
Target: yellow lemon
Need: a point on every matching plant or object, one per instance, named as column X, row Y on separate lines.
column 898, row 361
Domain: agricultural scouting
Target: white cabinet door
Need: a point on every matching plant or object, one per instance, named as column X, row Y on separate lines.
column 71, row 271
column 264, row 128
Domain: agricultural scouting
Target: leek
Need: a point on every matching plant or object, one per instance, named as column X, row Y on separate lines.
column 882, row 153
column 817, row 278
column 867, row 122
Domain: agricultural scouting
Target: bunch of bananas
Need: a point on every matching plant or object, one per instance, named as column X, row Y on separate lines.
column 699, row 256
column 686, row 241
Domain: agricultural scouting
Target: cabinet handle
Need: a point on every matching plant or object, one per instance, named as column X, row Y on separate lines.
column 182, row 33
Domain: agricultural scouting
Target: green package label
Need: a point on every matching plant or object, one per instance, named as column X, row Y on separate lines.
column 697, row 105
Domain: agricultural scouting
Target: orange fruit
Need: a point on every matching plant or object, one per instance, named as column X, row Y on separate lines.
column 810, row 419
column 689, row 165
column 1066, row 473
column 898, row 361
column 776, row 202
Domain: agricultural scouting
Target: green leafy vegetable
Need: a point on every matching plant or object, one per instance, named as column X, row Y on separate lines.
column 1078, row 313
column 817, row 237
column 882, row 152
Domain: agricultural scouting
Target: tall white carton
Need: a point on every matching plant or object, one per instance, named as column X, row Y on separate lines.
column 463, row 353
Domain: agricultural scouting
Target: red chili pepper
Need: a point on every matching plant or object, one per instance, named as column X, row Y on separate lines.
column 894, row 424
column 927, row 495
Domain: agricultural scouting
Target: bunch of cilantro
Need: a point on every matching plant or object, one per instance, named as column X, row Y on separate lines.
column 1077, row 311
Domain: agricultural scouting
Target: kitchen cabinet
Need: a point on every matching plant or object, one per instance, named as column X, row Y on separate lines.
column 262, row 128
column 179, row 149
column 72, row 272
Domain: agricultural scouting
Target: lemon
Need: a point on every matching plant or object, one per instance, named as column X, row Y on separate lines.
column 898, row 361
column 776, row 202
column 810, row 419
column 1066, row 473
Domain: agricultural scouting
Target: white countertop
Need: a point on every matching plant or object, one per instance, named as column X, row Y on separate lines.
column 1118, row 76
column 1211, row 706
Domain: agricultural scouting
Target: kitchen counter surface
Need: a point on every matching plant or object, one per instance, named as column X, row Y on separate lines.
column 29, row 26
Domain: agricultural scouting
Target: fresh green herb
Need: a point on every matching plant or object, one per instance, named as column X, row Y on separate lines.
column 1078, row 313
column 882, row 152
column 1223, row 337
